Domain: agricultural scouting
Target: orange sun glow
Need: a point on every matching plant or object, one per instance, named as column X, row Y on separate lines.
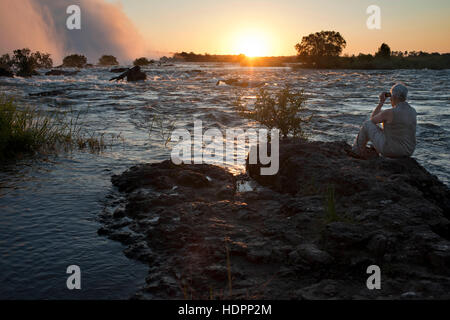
column 252, row 44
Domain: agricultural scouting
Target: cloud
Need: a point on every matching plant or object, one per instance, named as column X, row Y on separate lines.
column 41, row 25
column 22, row 24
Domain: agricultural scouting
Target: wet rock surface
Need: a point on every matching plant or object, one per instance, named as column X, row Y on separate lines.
column 50, row 93
column 56, row 72
column 309, row 232
column 5, row 72
column 118, row 70
column 132, row 74
column 239, row 83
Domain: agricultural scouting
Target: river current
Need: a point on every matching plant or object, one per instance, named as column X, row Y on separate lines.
column 49, row 207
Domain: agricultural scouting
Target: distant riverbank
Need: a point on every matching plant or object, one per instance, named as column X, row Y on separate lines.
column 412, row 60
column 369, row 62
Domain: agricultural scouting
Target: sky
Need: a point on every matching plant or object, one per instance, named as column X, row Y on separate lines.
column 221, row 27
column 129, row 29
column 41, row 25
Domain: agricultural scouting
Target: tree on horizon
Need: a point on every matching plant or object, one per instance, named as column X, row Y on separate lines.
column 384, row 51
column 319, row 46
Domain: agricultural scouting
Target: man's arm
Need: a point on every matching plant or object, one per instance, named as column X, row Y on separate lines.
column 376, row 110
column 379, row 106
column 379, row 116
column 384, row 116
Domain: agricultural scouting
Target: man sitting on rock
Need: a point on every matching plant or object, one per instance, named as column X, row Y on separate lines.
column 397, row 138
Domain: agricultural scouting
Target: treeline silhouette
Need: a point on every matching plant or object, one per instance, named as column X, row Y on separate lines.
column 193, row 57
column 242, row 59
column 322, row 50
column 396, row 60
column 378, row 60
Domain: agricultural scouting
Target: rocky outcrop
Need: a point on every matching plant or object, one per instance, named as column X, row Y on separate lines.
column 132, row 74
column 55, row 72
column 309, row 232
column 27, row 73
column 241, row 83
column 118, row 70
column 51, row 93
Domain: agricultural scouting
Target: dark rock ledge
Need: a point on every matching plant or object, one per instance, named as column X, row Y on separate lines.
column 281, row 240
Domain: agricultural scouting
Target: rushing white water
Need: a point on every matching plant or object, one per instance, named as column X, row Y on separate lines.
column 49, row 208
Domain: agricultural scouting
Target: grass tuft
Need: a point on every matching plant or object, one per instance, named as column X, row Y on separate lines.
column 27, row 130
column 330, row 205
column 331, row 214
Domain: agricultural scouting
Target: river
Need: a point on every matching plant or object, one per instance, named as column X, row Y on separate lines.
column 49, row 207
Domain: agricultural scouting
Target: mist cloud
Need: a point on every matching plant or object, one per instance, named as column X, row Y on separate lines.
column 41, row 25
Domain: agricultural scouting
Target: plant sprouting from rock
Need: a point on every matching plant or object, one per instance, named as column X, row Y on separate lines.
column 330, row 205
column 75, row 61
column 142, row 62
column 107, row 60
column 282, row 110
column 26, row 62
column 163, row 127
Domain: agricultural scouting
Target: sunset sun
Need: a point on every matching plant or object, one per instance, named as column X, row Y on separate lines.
column 252, row 44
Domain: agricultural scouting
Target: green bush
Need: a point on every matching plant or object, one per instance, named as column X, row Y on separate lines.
column 43, row 60
column 6, row 62
column 106, row 60
column 25, row 62
column 75, row 61
column 281, row 110
column 142, row 62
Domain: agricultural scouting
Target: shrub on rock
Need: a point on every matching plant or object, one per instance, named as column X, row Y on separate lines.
column 142, row 62
column 281, row 110
column 106, row 60
column 75, row 61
